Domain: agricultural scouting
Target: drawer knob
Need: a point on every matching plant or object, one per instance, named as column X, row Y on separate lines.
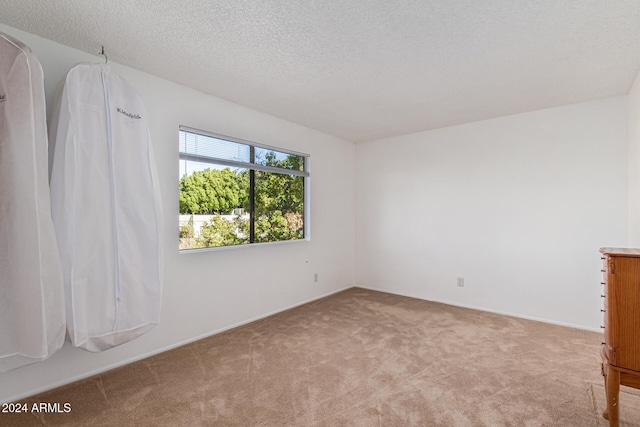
column 603, row 271
column 602, row 327
column 602, row 296
column 602, row 283
column 603, row 311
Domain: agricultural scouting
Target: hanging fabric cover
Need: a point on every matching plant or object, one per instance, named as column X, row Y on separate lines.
column 106, row 208
column 32, row 314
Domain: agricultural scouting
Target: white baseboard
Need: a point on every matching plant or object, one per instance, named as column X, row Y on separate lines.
column 506, row 313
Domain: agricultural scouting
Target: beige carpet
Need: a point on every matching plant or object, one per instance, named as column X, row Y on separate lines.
column 357, row 358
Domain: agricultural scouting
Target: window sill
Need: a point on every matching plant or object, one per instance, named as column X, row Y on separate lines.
column 234, row 247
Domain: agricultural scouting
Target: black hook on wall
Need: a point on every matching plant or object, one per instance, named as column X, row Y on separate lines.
column 101, row 53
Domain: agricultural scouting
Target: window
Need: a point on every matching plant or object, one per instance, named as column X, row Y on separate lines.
column 234, row 192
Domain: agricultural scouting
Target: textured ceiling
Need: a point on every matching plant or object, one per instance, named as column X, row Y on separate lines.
column 359, row 69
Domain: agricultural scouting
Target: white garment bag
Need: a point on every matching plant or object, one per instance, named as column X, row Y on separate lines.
column 32, row 313
column 106, row 208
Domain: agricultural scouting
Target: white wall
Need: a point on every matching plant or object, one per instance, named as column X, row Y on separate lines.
column 208, row 292
column 518, row 206
column 634, row 164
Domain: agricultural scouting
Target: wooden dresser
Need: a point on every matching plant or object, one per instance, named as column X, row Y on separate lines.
column 621, row 307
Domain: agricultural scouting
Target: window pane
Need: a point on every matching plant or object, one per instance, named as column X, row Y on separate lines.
column 268, row 157
column 214, row 208
column 190, row 166
column 279, row 207
column 208, row 146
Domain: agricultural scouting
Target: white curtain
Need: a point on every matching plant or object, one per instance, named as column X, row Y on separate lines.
column 32, row 313
column 106, row 208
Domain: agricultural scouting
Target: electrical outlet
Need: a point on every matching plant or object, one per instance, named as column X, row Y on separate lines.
column 461, row 281
column 315, row 277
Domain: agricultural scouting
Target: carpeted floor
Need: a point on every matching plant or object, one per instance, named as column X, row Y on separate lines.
column 357, row 358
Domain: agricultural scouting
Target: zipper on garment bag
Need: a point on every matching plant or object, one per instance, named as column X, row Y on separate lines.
column 32, row 119
column 105, row 84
